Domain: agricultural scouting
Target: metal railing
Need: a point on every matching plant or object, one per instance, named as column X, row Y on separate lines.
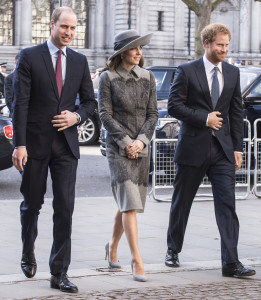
column 257, row 158
column 164, row 169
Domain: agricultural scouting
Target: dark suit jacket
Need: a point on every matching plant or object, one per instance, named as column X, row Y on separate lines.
column 9, row 91
column 190, row 102
column 2, row 80
column 36, row 99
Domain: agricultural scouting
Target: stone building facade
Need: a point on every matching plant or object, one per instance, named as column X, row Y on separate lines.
column 24, row 23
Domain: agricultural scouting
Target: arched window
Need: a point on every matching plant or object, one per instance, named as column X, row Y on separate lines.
column 6, row 22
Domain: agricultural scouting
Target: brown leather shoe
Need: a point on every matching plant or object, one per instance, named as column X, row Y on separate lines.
column 237, row 270
column 28, row 264
column 61, row 282
column 172, row 259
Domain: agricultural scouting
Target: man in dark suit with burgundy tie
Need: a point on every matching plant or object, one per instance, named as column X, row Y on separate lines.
column 47, row 79
column 206, row 97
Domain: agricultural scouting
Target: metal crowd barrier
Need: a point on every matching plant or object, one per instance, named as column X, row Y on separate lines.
column 257, row 158
column 164, row 169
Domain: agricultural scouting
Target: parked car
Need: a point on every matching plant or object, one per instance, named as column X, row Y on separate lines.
column 164, row 77
column 6, row 140
column 250, row 80
column 89, row 131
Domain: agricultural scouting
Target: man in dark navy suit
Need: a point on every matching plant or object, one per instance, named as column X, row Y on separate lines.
column 206, row 97
column 8, row 88
column 46, row 82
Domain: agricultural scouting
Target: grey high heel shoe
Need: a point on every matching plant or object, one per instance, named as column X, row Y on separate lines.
column 141, row 278
column 113, row 265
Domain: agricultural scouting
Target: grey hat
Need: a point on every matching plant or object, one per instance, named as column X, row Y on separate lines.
column 129, row 39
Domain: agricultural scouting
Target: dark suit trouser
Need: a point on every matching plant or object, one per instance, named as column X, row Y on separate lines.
column 63, row 166
column 221, row 173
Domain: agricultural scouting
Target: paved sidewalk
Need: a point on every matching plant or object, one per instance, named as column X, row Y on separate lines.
column 199, row 276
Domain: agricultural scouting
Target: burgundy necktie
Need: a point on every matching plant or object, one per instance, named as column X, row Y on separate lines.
column 59, row 76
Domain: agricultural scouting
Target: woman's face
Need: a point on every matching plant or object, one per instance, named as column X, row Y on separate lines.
column 131, row 58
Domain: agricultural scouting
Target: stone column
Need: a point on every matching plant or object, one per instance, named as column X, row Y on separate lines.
column 99, row 24
column 179, row 33
column 26, row 23
column 109, row 24
column 244, row 32
column 142, row 16
column 17, row 25
column 255, row 27
column 91, row 22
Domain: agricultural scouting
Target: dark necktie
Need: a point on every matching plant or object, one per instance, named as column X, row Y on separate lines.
column 215, row 88
column 59, row 76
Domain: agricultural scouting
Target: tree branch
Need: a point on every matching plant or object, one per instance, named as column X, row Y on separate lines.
column 217, row 2
column 193, row 5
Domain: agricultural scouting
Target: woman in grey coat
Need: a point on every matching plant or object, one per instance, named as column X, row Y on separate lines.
column 128, row 111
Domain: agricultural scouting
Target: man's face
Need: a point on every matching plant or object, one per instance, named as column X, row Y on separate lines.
column 62, row 32
column 217, row 50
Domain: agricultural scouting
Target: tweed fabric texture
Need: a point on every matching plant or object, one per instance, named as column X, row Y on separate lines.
column 128, row 110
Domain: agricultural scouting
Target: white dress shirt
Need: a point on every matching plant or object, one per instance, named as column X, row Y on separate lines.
column 209, row 68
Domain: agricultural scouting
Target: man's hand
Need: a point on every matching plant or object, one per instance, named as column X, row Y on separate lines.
column 238, row 158
column 19, row 158
column 134, row 148
column 214, row 121
column 64, row 120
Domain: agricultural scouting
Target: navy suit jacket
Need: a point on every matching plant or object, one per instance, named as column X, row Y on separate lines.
column 190, row 102
column 36, row 99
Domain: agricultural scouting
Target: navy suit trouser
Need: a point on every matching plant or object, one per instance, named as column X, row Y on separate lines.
column 62, row 165
column 221, row 173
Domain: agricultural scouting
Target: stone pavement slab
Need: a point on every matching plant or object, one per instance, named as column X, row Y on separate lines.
column 92, row 225
column 163, row 283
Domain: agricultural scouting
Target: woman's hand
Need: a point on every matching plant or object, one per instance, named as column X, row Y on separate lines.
column 134, row 148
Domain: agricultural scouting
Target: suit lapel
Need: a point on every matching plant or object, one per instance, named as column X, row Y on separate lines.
column 202, row 78
column 49, row 66
column 225, row 72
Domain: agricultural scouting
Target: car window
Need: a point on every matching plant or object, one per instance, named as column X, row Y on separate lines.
column 256, row 90
column 246, row 78
column 172, row 78
column 159, row 77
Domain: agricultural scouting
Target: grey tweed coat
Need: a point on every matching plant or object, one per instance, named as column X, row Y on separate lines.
column 128, row 110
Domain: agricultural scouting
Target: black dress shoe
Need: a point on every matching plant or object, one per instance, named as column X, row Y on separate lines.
column 28, row 264
column 172, row 259
column 237, row 270
column 61, row 282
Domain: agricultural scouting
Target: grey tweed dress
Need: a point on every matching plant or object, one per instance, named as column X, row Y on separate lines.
column 128, row 111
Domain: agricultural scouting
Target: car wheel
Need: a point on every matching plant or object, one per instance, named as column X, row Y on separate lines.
column 88, row 132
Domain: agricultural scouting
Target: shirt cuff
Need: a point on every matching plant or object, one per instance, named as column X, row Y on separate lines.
column 207, row 121
column 78, row 118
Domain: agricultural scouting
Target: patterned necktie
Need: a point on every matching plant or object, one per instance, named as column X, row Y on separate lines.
column 215, row 88
column 59, row 76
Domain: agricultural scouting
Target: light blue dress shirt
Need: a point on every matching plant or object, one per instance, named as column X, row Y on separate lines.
column 54, row 54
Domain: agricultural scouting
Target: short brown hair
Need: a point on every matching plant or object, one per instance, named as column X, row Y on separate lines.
column 210, row 31
column 58, row 11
